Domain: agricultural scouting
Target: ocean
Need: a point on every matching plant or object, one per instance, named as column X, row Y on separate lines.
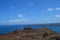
column 4, row 29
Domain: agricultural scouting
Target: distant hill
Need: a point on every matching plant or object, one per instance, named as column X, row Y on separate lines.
column 53, row 24
column 48, row 24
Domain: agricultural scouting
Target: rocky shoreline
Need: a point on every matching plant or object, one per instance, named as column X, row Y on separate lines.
column 30, row 34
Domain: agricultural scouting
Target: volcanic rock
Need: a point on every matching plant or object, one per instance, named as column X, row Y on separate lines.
column 30, row 34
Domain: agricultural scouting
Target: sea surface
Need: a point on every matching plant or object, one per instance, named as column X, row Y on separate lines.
column 4, row 29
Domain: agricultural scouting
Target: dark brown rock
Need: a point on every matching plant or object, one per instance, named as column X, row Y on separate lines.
column 30, row 34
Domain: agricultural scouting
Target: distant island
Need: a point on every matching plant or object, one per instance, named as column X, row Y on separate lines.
column 47, row 24
column 30, row 34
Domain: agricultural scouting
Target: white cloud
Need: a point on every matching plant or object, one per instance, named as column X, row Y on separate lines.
column 50, row 9
column 20, row 16
column 57, row 15
column 18, row 20
column 57, row 8
column 12, row 21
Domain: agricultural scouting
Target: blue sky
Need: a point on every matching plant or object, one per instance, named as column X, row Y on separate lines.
column 29, row 11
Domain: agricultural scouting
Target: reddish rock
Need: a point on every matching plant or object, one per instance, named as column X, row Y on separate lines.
column 30, row 34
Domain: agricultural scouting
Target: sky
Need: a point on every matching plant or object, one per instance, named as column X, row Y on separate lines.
column 29, row 11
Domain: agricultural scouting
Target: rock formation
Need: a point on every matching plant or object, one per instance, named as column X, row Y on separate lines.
column 30, row 34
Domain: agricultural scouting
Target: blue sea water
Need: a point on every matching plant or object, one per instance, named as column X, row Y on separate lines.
column 10, row 28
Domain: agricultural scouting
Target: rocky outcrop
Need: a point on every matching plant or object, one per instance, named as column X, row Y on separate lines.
column 30, row 34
